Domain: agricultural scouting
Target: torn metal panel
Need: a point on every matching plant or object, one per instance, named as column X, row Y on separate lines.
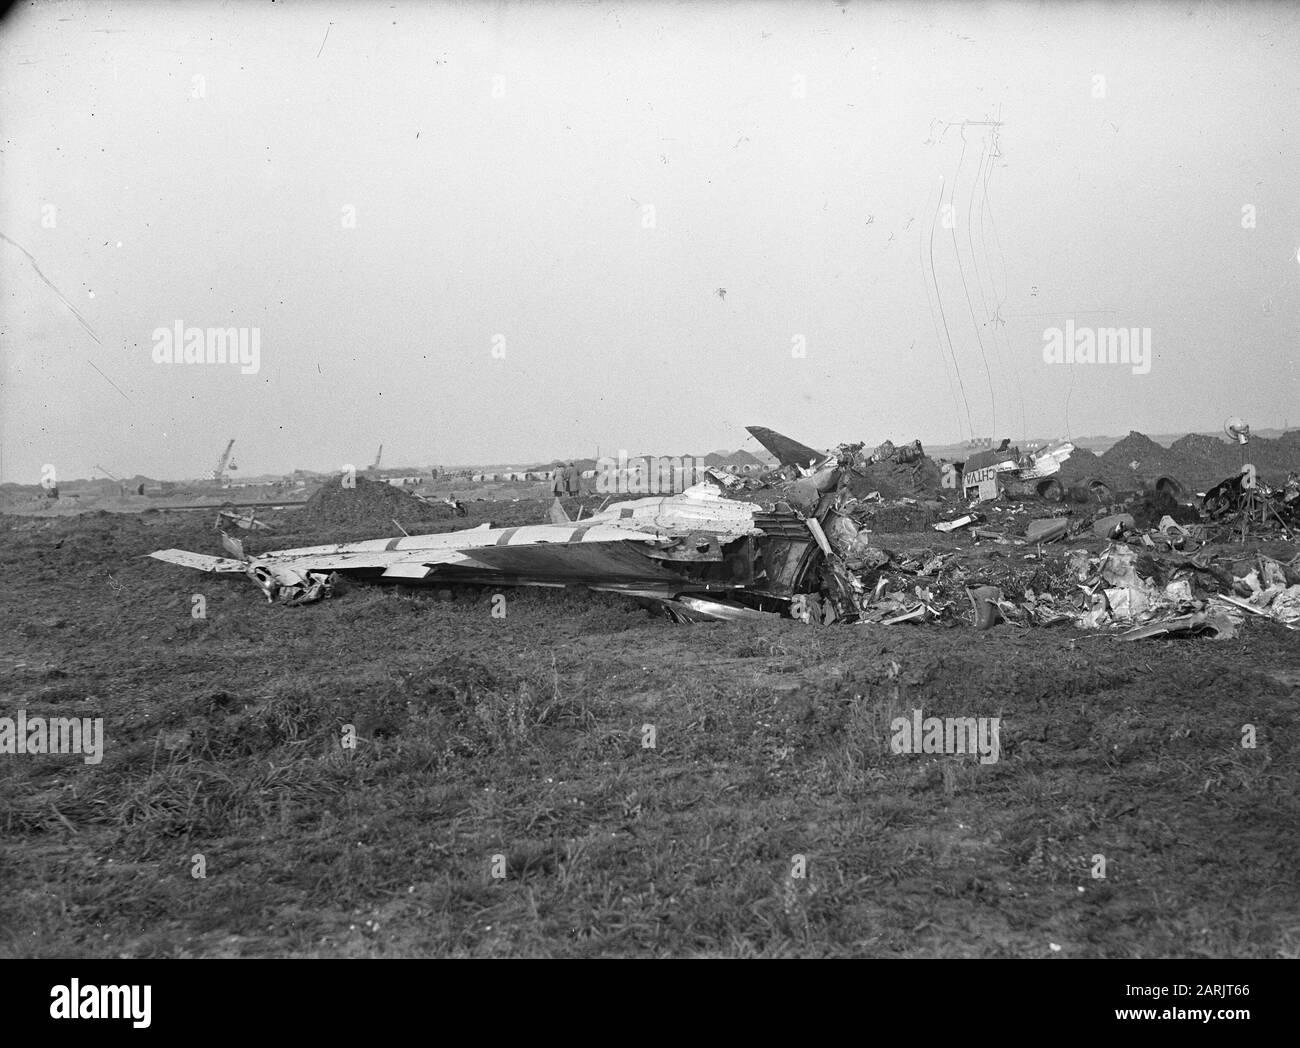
column 815, row 528
column 787, row 564
column 981, row 485
column 699, row 609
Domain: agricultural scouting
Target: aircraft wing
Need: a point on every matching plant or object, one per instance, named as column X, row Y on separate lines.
column 533, row 555
column 199, row 561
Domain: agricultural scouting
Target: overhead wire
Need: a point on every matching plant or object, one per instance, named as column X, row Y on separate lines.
column 934, row 320
column 944, row 317
column 993, row 404
column 995, row 317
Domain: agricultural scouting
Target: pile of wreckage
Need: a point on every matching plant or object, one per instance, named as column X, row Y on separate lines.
column 1148, row 583
column 799, row 540
column 1247, row 505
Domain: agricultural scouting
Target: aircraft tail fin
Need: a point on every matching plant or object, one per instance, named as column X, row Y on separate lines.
column 788, row 452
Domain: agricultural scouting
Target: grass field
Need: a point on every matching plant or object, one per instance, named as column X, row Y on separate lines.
column 516, row 745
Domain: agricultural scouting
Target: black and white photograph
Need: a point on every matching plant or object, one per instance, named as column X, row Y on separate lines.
column 650, row 480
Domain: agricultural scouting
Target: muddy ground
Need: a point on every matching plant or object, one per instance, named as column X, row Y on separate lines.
column 516, row 745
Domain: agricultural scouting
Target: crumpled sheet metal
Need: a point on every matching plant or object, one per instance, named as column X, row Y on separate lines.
column 292, row 588
column 1220, row 627
column 986, row 606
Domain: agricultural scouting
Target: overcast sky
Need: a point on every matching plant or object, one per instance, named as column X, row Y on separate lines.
column 488, row 232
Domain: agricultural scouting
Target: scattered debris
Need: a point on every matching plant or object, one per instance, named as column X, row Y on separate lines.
column 1049, row 530
column 231, row 518
column 1114, row 526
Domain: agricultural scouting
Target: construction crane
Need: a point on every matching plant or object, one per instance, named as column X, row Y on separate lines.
column 378, row 455
column 219, row 474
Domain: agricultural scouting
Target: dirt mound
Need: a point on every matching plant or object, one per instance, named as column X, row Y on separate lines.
column 1218, row 456
column 1136, row 454
column 1083, row 466
column 1198, row 460
column 1273, row 459
column 368, row 503
column 895, row 480
column 1140, row 459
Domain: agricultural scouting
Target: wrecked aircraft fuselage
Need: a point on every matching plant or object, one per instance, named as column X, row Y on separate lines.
column 697, row 555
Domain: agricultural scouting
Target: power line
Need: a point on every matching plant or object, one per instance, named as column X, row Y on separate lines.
column 939, row 299
column 934, row 320
column 993, row 404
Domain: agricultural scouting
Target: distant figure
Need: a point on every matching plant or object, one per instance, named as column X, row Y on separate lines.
column 557, row 484
column 572, row 480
